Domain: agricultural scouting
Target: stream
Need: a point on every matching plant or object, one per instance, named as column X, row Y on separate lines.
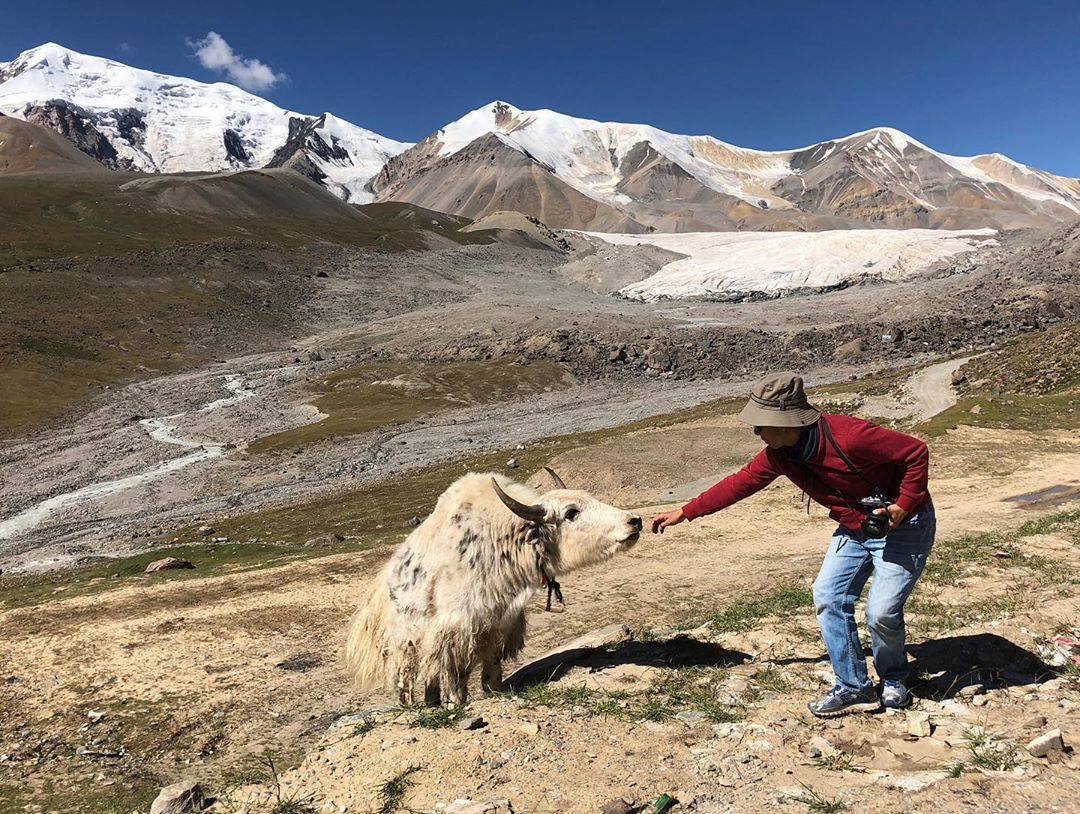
column 162, row 430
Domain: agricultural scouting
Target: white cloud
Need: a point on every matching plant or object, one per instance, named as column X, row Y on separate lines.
column 217, row 55
column 125, row 47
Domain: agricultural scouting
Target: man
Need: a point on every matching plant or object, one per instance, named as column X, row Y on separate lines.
column 839, row 461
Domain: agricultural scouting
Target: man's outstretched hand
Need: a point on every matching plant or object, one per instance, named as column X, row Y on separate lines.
column 662, row 521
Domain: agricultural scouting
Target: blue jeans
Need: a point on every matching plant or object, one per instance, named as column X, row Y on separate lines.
column 895, row 561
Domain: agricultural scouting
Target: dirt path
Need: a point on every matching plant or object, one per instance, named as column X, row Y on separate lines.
column 932, row 389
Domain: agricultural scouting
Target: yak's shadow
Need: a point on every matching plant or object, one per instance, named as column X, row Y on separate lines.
column 680, row 651
column 941, row 667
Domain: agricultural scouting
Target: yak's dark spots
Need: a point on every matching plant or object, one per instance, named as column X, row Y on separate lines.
column 417, row 573
column 505, row 557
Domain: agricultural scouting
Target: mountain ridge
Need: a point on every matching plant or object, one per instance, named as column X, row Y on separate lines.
column 568, row 171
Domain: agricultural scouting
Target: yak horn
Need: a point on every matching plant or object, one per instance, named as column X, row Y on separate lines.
column 534, row 514
column 558, row 481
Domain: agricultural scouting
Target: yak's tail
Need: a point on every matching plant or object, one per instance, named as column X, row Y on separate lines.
column 367, row 648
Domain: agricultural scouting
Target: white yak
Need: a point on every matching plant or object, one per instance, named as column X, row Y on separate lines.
column 453, row 594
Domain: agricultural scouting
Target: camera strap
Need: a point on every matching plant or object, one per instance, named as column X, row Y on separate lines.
column 843, row 457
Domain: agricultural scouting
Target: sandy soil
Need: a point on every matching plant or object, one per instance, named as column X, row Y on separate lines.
column 195, row 676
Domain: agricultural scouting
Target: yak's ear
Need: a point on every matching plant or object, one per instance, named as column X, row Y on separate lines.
column 534, row 514
column 558, row 481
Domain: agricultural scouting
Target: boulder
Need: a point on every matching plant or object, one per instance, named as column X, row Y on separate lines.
column 184, row 797
column 168, row 564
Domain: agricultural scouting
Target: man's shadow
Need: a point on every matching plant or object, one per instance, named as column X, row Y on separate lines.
column 680, row 651
column 941, row 668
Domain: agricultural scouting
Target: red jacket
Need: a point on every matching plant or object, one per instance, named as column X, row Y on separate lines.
column 895, row 462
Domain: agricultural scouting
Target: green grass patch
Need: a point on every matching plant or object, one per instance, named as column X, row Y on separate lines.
column 928, row 615
column 954, row 559
column 739, row 616
column 209, row 560
column 689, row 689
column 366, row 397
column 1059, row 411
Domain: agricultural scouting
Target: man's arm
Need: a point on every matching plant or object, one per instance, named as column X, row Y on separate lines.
column 753, row 477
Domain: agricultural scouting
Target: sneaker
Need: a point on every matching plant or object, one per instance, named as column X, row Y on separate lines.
column 838, row 701
column 895, row 695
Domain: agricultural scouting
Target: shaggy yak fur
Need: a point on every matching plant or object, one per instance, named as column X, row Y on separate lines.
column 453, row 594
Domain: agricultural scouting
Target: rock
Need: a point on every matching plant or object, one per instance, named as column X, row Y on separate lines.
column 916, row 781
column 475, row 722
column 324, row 541
column 1003, row 555
column 512, row 463
column 478, row 807
column 620, row 805
column 1035, row 722
column 918, row 724
column 206, row 531
column 322, row 275
column 168, row 564
column 1046, row 742
column 179, row 798
column 970, row 691
column 691, row 716
column 976, row 409
column 95, row 715
column 529, row 728
column 313, row 356
column 819, row 747
column 980, row 700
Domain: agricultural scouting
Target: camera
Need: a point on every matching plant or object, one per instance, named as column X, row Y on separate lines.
column 875, row 526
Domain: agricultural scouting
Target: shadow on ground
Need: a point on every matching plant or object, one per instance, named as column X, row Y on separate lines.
column 681, row 651
column 942, row 667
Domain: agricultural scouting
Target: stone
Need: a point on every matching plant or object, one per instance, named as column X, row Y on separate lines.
column 474, row 722
column 918, row 724
column 691, row 716
column 529, row 728
column 512, row 463
column 980, row 700
column 1035, row 722
column 168, row 564
column 970, row 691
column 95, row 715
column 620, row 805
column 819, row 747
column 206, row 531
column 464, row 806
column 179, row 798
column 1046, row 743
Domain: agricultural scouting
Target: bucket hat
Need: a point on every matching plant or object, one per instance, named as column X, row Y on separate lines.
column 779, row 401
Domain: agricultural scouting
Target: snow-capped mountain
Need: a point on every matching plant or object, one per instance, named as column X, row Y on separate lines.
column 646, row 178
column 135, row 119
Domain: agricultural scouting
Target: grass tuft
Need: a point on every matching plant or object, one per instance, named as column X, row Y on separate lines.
column 436, row 717
column 990, row 752
column 814, row 801
column 392, row 792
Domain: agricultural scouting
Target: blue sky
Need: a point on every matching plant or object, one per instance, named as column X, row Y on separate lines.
column 964, row 77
